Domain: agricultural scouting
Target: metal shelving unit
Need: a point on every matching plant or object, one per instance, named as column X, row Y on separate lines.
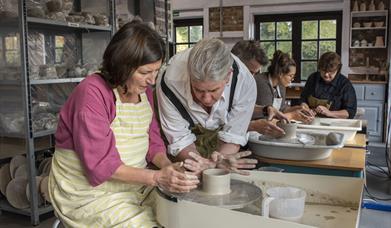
column 19, row 94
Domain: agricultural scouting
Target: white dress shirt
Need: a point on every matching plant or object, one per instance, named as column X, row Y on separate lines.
column 235, row 123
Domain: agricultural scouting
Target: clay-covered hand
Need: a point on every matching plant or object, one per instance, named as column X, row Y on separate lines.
column 174, row 178
column 267, row 128
column 273, row 113
column 323, row 111
column 196, row 163
column 234, row 162
column 304, row 115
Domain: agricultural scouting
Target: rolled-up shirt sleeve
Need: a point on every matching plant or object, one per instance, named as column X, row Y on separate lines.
column 234, row 131
column 94, row 141
column 156, row 144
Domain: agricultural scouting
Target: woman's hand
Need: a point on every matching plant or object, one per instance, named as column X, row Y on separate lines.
column 273, row 113
column 234, row 162
column 174, row 178
column 265, row 127
column 304, row 115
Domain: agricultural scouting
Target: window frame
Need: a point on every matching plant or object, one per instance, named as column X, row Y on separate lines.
column 186, row 23
column 297, row 19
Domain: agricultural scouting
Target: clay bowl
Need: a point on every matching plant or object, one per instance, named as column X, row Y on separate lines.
column 15, row 162
column 44, row 188
column 367, row 24
column 379, row 24
column 16, row 193
column 5, row 177
column 38, row 180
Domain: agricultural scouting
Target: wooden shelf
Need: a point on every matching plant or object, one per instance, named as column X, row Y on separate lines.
column 369, row 28
column 375, row 13
column 70, row 25
column 366, row 47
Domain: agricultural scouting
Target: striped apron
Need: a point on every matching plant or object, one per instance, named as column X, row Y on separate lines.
column 112, row 203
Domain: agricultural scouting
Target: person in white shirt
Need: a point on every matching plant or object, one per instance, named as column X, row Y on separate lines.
column 206, row 99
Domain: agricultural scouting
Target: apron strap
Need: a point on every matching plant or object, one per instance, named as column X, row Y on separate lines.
column 175, row 101
column 233, row 85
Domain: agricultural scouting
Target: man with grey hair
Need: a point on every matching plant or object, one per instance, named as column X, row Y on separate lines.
column 206, row 99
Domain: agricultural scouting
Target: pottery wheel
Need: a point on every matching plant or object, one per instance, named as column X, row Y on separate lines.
column 242, row 194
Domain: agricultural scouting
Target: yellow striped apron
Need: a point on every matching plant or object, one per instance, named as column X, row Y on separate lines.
column 113, row 203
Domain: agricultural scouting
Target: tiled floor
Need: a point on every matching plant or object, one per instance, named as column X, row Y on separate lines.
column 379, row 187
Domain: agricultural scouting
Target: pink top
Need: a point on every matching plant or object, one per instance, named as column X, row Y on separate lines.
column 84, row 127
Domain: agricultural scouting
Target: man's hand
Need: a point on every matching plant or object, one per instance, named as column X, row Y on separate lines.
column 234, row 162
column 197, row 163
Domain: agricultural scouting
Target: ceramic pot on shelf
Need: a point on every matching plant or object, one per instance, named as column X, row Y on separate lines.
column 355, row 6
column 379, row 41
column 372, row 6
column 380, row 6
column 363, row 6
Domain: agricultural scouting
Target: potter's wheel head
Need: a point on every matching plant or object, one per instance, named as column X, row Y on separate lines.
column 242, row 194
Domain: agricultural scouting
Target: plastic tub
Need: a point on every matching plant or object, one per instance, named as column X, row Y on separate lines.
column 348, row 127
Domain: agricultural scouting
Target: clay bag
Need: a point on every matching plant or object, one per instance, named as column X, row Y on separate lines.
column 38, row 180
column 16, row 193
column 15, row 162
column 5, row 177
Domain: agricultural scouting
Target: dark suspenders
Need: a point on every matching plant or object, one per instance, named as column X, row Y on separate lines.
column 179, row 106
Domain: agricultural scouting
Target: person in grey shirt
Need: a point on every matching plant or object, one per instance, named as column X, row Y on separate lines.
column 254, row 57
column 271, row 87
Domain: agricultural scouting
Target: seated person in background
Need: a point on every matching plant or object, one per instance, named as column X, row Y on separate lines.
column 206, row 98
column 328, row 92
column 271, row 87
column 254, row 57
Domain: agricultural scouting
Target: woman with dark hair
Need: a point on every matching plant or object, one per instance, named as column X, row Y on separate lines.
column 271, row 87
column 106, row 135
column 328, row 92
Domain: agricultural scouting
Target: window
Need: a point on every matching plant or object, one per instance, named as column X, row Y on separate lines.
column 59, row 48
column 11, row 49
column 305, row 36
column 187, row 33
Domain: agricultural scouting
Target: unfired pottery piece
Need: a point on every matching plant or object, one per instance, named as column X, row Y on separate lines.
column 5, row 177
column 16, row 193
column 21, row 171
column 15, row 162
column 216, row 181
column 289, row 128
column 38, row 180
column 44, row 188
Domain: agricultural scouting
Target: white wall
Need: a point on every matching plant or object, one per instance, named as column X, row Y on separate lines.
column 199, row 8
